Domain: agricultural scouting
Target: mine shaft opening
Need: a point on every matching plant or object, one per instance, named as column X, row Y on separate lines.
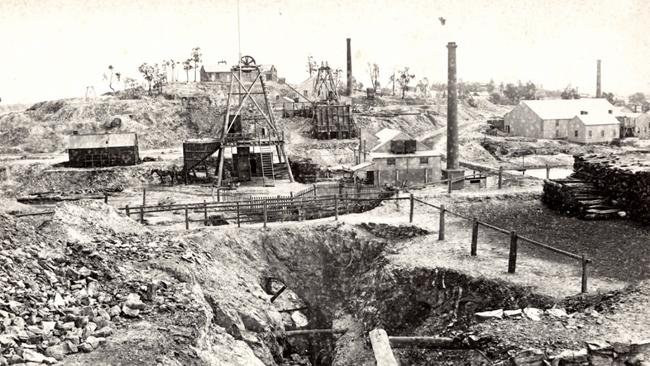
column 346, row 273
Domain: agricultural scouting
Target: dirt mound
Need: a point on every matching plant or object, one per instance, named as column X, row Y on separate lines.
column 83, row 220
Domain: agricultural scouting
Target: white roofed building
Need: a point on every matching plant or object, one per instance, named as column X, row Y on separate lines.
column 550, row 119
column 398, row 159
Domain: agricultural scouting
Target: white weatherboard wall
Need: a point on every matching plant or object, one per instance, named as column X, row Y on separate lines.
column 599, row 133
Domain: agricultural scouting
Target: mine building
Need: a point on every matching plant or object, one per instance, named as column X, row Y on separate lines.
column 102, row 150
column 555, row 119
column 215, row 73
column 399, row 159
column 249, row 146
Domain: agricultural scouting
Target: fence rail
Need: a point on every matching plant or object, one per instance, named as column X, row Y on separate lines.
column 514, row 239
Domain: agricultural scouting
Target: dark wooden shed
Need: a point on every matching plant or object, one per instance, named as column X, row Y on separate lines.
column 102, row 150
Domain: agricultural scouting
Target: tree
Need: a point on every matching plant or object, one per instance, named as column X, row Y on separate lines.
column 491, row 86
column 405, row 78
column 516, row 93
column 148, row 72
column 196, row 57
column 392, row 81
column 495, row 98
column 312, row 65
column 187, row 66
column 110, row 77
column 637, row 98
column 172, row 64
column 373, row 71
column 423, row 86
column 570, row 93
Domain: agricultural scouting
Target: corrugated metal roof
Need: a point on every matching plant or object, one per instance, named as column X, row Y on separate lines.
column 597, row 119
column 93, row 141
column 568, row 108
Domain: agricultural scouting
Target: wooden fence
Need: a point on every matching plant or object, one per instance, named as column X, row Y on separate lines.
column 514, row 238
column 255, row 210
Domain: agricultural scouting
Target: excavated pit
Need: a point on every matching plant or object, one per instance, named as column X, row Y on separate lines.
column 339, row 277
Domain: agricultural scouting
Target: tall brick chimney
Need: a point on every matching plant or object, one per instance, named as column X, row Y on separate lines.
column 598, row 89
column 349, row 91
column 452, row 108
column 453, row 170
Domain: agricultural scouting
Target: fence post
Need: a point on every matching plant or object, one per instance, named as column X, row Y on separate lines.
column 205, row 213
column 314, row 190
column 187, row 218
column 411, row 208
column 218, row 194
column 512, row 257
column 105, row 197
column 441, row 229
column 128, row 213
column 336, row 206
column 142, row 215
column 238, row 219
column 585, row 262
column 265, row 213
column 144, row 196
column 500, row 176
column 474, row 237
column 449, row 185
column 548, row 171
column 347, row 204
column 301, row 211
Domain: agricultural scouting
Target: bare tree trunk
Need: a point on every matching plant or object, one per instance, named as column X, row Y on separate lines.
column 187, row 76
column 195, row 64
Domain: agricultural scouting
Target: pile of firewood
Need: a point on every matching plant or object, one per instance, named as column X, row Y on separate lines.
column 624, row 178
column 575, row 197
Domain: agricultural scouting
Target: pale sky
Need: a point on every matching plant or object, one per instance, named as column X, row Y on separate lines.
column 54, row 49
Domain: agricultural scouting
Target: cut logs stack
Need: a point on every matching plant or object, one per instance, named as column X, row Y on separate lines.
column 624, row 178
column 576, row 197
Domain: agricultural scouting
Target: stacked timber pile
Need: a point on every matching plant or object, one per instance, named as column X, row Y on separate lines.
column 579, row 198
column 625, row 178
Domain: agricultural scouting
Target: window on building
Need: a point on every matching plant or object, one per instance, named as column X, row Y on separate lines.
column 602, row 133
column 390, row 161
column 424, row 160
column 575, row 133
column 557, row 123
column 590, row 134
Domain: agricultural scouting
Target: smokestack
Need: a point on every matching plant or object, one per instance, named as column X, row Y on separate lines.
column 452, row 109
column 598, row 90
column 349, row 91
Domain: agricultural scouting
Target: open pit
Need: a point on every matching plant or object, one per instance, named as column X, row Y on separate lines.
column 119, row 293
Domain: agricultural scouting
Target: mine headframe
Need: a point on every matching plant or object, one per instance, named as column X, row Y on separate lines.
column 332, row 119
column 249, row 129
column 324, row 86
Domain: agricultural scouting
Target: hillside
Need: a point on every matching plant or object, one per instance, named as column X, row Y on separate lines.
column 191, row 110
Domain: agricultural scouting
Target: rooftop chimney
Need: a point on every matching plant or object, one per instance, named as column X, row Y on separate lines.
column 598, row 90
column 349, row 91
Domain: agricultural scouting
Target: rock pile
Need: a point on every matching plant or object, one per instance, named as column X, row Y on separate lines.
column 59, row 298
column 595, row 353
column 393, row 232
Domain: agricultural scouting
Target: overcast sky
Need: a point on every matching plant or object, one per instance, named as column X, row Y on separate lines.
column 55, row 48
